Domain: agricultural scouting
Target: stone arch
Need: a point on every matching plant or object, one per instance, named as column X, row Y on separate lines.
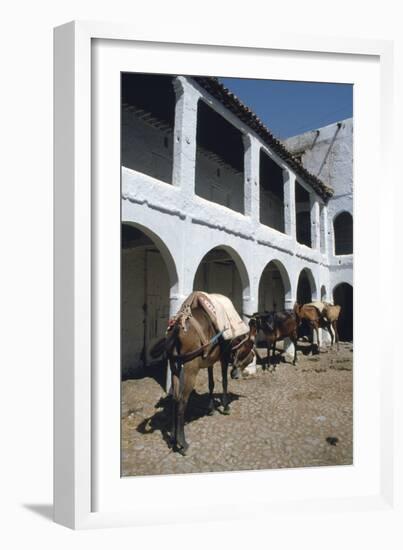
column 163, row 249
column 274, row 287
column 223, row 271
column 343, row 296
column 343, row 233
column 148, row 280
column 306, row 287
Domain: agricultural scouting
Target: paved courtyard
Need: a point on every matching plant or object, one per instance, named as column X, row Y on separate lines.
column 297, row 416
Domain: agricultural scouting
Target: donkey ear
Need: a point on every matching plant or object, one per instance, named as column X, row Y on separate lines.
column 248, row 316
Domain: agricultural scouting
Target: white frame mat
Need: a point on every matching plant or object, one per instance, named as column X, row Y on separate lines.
column 88, row 490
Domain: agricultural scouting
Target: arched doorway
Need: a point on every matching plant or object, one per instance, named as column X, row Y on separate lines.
column 274, row 287
column 148, row 275
column 306, row 290
column 222, row 271
column 343, row 234
column 343, row 296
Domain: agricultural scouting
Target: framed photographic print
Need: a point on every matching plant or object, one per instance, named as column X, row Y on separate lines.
column 212, row 334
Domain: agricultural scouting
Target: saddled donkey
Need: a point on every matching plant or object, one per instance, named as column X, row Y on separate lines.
column 330, row 317
column 194, row 343
column 276, row 326
column 311, row 314
column 320, row 315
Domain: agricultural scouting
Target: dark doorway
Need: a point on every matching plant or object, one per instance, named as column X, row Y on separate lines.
column 303, row 216
column 304, row 296
column 343, row 234
column 343, row 296
column 304, row 290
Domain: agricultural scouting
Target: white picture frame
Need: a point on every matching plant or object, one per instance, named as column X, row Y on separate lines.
column 77, row 472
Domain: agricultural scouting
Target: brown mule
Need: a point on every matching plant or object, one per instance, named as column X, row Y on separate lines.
column 312, row 315
column 276, row 326
column 191, row 347
column 320, row 315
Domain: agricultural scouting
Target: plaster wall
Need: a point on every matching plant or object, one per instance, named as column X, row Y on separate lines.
column 146, row 148
column 271, row 210
column 218, row 182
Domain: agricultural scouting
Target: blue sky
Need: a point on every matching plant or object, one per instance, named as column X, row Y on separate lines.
column 290, row 108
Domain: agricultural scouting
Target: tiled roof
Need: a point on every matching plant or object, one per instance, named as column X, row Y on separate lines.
column 235, row 105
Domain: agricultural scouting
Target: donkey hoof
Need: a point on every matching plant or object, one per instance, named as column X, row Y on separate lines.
column 211, row 412
column 226, row 410
column 182, row 451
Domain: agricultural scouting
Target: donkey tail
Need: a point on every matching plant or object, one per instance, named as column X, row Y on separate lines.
column 165, row 344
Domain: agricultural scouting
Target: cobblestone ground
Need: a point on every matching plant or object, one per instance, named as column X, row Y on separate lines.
column 278, row 420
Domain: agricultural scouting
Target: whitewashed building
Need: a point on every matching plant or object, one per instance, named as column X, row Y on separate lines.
column 328, row 153
column 212, row 201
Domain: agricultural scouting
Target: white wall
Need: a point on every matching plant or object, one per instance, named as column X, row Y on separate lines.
column 143, row 147
column 225, row 189
column 271, row 210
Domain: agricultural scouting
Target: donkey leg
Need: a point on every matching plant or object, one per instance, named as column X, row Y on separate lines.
column 225, row 400
column 274, row 356
column 187, row 381
column 330, row 331
column 336, row 333
column 175, row 399
column 294, row 339
column 317, row 337
column 268, row 357
column 211, row 407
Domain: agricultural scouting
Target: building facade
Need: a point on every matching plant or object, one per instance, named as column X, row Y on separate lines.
column 212, row 201
column 328, row 153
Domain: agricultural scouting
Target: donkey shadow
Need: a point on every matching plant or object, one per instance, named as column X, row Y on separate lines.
column 197, row 407
column 305, row 347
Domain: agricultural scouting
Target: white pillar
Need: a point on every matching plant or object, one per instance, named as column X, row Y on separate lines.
column 289, row 303
column 290, row 224
column 184, row 153
column 251, row 177
column 315, row 222
column 325, row 230
column 249, row 306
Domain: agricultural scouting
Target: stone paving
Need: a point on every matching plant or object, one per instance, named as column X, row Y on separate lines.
column 297, row 416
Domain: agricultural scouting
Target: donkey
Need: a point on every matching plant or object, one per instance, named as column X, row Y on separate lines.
column 312, row 315
column 188, row 353
column 276, row 326
column 320, row 315
column 330, row 317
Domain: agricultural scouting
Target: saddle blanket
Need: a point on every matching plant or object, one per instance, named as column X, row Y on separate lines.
column 221, row 311
column 320, row 306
